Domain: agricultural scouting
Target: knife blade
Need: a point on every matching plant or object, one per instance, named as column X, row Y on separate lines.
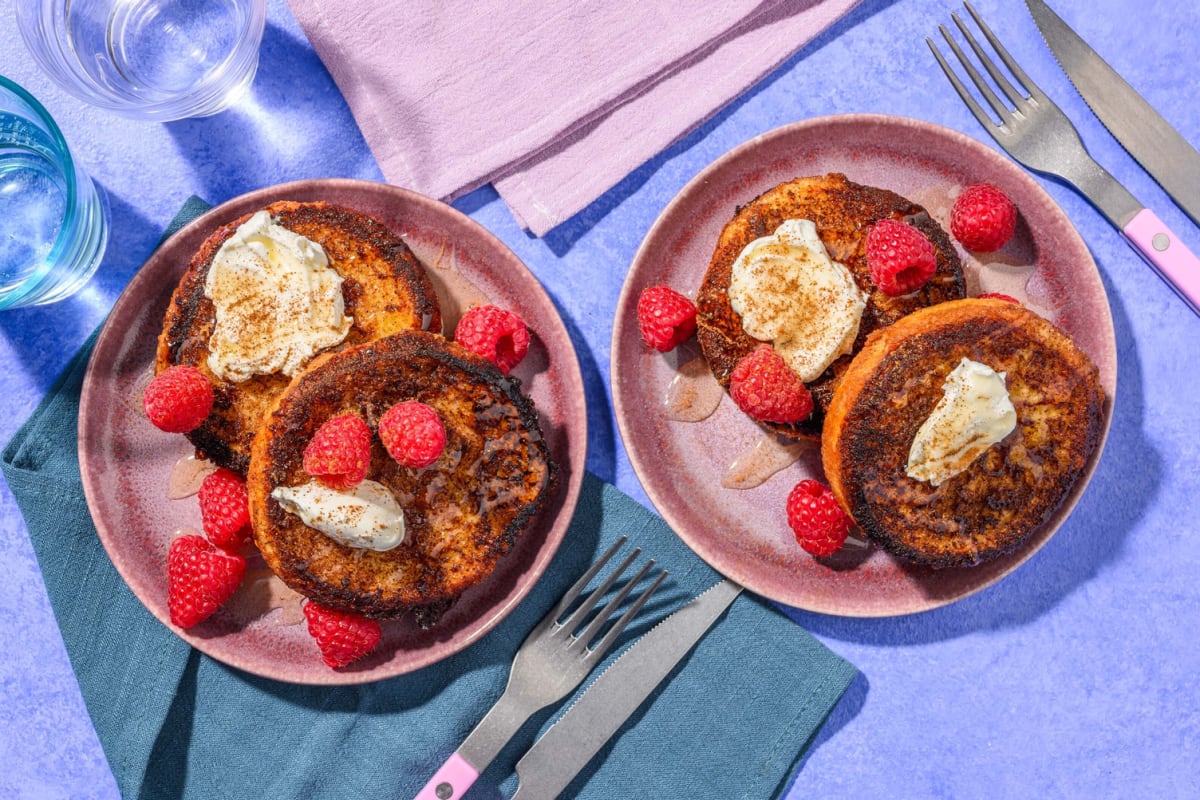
column 571, row 742
column 1132, row 121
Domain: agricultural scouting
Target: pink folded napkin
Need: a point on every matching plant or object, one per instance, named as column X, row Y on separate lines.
column 551, row 102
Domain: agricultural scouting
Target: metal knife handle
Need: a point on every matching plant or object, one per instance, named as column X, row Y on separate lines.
column 1171, row 258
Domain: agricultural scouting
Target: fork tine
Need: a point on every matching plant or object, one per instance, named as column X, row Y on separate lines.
column 1002, row 110
column 620, row 624
column 589, row 602
column 569, row 596
column 969, row 99
column 1013, row 67
column 1013, row 95
column 610, row 608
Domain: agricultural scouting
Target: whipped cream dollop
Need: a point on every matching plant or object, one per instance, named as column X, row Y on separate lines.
column 366, row 516
column 789, row 292
column 277, row 302
column 975, row 412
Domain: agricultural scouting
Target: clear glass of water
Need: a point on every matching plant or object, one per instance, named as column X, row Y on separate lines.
column 53, row 219
column 147, row 59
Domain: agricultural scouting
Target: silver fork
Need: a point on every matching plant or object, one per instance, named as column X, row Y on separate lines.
column 1035, row 132
column 551, row 662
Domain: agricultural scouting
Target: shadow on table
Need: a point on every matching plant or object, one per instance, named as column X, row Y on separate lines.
column 1124, row 485
column 563, row 237
column 285, row 127
column 44, row 338
column 601, row 438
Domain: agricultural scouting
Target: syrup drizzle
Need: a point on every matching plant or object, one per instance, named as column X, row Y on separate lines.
column 768, row 455
column 186, row 476
column 693, row 394
column 262, row 593
column 456, row 293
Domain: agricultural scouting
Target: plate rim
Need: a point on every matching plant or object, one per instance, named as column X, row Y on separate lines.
column 575, row 438
column 712, row 555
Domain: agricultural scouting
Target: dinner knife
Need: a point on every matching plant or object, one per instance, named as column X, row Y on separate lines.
column 1141, row 130
column 571, row 742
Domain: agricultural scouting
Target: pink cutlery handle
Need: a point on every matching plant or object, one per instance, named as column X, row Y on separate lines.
column 451, row 781
column 1170, row 257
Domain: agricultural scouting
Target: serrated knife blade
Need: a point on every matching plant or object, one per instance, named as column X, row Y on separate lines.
column 1141, row 130
column 570, row 743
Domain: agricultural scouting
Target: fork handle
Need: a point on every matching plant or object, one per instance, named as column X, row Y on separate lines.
column 1169, row 257
column 478, row 750
column 450, row 781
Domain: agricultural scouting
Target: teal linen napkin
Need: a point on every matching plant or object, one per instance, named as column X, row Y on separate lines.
column 733, row 721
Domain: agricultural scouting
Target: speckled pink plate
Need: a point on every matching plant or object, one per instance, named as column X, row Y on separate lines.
column 743, row 533
column 126, row 462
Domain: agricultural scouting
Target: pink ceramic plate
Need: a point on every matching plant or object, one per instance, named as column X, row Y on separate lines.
column 126, row 463
column 743, row 532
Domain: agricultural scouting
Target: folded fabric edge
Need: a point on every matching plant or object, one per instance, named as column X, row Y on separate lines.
column 786, row 760
column 534, row 189
column 376, row 117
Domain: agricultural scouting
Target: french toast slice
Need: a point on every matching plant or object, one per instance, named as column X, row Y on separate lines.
column 843, row 212
column 992, row 506
column 463, row 513
column 384, row 288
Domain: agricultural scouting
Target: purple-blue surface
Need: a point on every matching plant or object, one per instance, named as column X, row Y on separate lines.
column 1073, row 677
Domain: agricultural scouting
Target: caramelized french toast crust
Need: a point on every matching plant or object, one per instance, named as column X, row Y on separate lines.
column 993, row 506
column 384, row 287
column 462, row 514
column 843, row 212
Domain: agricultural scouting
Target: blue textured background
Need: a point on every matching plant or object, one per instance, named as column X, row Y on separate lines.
column 1073, row 677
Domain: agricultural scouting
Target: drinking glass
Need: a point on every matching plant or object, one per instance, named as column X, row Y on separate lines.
column 53, row 219
column 147, row 59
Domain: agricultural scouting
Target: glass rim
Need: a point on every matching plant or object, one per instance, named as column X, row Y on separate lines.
column 69, row 166
column 33, row 284
column 44, row 42
column 51, row 126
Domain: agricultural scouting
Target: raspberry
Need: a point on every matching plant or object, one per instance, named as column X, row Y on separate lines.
column 495, row 333
column 983, row 218
column 200, row 578
column 413, row 434
column 899, row 257
column 666, row 318
column 178, row 399
column 815, row 517
column 224, row 510
column 339, row 453
column 998, row 296
column 764, row 386
column 341, row 636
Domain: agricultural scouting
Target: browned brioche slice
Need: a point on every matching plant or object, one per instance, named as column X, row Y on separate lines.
column 462, row 513
column 384, row 287
column 843, row 212
column 992, row 506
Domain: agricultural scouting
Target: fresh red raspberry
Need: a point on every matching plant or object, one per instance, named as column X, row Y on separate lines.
column 224, row 509
column 815, row 517
column 497, row 334
column 413, row 434
column 766, row 388
column 900, row 258
column 666, row 318
column 200, row 578
column 998, row 296
column 178, row 399
column 339, row 453
column 341, row 636
column 983, row 218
